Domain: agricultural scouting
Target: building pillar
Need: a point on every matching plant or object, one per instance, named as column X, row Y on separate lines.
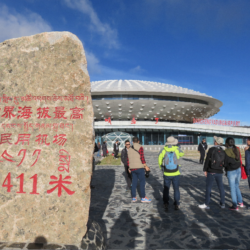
column 142, row 136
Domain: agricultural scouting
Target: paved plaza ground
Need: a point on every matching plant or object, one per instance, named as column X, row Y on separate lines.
column 138, row 225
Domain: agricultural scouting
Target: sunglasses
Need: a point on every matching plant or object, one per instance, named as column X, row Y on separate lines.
column 127, row 144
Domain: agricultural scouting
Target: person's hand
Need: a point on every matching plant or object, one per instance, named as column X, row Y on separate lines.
column 129, row 171
column 147, row 168
column 246, row 148
column 205, row 173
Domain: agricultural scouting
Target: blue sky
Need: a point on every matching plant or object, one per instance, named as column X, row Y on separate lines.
column 201, row 45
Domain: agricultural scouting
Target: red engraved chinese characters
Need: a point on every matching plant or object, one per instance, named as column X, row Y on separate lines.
column 38, row 151
column 42, row 139
column 59, row 113
column 60, row 139
column 5, row 138
column 7, row 157
column 64, row 160
column 23, row 138
column 157, row 119
column 24, row 154
column 8, row 112
column 24, row 112
column 76, row 113
column 60, row 185
column 43, row 113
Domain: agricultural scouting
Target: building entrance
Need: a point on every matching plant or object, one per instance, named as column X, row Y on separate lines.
column 111, row 138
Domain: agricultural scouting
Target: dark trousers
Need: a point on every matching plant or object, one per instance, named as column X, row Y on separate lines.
column 138, row 174
column 116, row 153
column 202, row 156
column 249, row 181
column 128, row 177
column 209, row 183
column 167, row 183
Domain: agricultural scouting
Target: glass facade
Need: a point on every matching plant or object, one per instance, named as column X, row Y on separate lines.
column 159, row 138
column 147, row 97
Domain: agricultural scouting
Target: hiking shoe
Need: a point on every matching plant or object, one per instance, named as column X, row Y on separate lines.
column 176, row 207
column 222, row 206
column 204, row 206
column 145, row 199
column 134, row 199
column 166, row 207
column 240, row 205
column 234, row 208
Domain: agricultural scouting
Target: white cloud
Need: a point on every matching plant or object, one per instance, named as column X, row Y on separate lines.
column 137, row 70
column 14, row 24
column 93, row 63
column 109, row 35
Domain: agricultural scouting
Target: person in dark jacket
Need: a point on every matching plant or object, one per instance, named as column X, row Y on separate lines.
column 202, row 149
column 212, row 173
column 116, row 149
column 247, row 160
column 124, row 158
column 104, row 149
column 99, row 149
column 233, row 167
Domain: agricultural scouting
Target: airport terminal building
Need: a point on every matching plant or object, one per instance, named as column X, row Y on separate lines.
column 153, row 111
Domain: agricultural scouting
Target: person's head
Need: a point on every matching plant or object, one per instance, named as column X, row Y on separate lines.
column 127, row 144
column 204, row 140
column 248, row 141
column 171, row 141
column 135, row 139
column 98, row 143
column 230, row 142
column 117, row 141
column 218, row 140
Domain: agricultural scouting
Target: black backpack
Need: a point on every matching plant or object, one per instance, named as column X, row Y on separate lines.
column 218, row 158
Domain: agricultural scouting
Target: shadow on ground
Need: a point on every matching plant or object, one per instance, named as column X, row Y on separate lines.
column 148, row 226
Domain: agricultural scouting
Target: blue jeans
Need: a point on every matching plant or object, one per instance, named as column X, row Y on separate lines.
column 167, row 182
column 209, row 183
column 99, row 153
column 138, row 174
column 234, row 181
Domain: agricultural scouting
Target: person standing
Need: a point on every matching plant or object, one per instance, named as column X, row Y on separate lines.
column 124, row 158
column 137, row 166
column 233, row 168
column 202, row 149
column 247, row 160
column 213, row 170
column 104, row 149
column 116, row 149
column 99, row 149
column 168, row 159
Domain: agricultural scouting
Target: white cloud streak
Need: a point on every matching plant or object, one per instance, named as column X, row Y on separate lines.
column 14, row 24
column 108, row 35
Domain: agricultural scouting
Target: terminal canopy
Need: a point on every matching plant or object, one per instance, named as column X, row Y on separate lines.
column 111, row 138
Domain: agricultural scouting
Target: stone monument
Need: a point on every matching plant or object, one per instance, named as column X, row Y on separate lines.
column 46, row 139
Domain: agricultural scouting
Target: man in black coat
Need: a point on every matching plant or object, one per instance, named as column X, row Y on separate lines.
column 116, row 148
column 124, row 158
column 104, row 148
column 202, row 149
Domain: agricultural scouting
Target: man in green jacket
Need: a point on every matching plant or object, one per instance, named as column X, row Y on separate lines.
column 168, row 159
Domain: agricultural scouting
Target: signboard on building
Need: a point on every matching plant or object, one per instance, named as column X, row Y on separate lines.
column 216, row 122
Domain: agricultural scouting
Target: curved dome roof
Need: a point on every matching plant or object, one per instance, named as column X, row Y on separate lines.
column 139, row 86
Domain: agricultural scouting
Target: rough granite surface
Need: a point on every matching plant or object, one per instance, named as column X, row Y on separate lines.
column 46, row 143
